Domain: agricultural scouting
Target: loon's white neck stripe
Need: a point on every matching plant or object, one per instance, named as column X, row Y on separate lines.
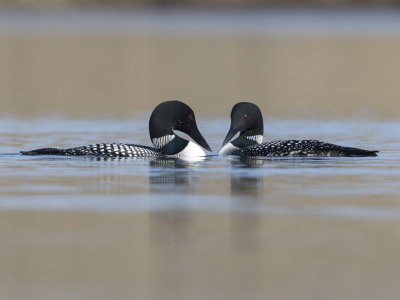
column 257, row 138
column 192, row 150
column 162, row 141
column 227, row 149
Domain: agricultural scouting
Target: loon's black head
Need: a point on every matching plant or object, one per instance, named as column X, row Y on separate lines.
column 247, row 119
column 174, row 115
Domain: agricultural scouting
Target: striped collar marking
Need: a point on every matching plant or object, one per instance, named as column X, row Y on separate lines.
column 257, row 138
column 162, row 141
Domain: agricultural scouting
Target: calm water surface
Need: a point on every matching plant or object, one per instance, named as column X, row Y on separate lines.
column 319, row 186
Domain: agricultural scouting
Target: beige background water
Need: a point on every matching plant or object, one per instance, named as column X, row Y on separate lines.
column 195, row 256
column 117, row 75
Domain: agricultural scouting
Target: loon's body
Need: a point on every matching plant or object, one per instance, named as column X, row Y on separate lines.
column 104, row 149
column 166, row 117
column 246, row 118
column 300, row 148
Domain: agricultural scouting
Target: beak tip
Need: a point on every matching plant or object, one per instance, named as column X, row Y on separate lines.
column 206, row 146
column 231, row 133
column 199, row 139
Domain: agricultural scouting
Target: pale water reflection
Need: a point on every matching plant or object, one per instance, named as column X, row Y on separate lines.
column 214, row 183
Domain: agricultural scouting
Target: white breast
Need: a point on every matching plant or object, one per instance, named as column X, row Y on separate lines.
column 227, row 149
column 192, row 150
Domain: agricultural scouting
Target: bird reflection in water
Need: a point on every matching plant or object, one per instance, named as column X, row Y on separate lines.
column 245, row 180
column 170, row 175
column 171, row 230
column 113, row 175
column 246, row 187
column 141, row 174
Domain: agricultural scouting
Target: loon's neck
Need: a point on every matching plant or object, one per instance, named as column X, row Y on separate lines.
column 174, row 145
column 247, row 139
column 242, row 141
column 160, row 142
column 180, row 147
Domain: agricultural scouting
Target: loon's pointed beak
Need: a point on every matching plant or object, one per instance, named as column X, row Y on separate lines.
column 231, row 133
column 199, row 139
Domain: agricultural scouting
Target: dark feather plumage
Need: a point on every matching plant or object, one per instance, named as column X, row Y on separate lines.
column 105, row 150
column 299, row 148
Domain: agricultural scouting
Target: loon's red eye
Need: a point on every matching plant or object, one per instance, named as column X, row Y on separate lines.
column 190, row 117
column 245, row 117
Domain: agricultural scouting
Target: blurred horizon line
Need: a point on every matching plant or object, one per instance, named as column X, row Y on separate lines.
column 222, row 4
column 304, row 21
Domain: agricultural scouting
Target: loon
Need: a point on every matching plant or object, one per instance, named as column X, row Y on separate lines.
column 246, row 118
column 165, row 118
